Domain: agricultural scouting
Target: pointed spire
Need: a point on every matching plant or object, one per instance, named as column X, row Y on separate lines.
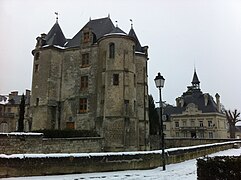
column 195, row 80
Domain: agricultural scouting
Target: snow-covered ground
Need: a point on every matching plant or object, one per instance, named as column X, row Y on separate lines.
column 186, row 170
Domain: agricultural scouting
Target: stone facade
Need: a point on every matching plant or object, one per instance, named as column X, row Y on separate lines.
column 95, row 81
column 196, row 115
column 9, row 112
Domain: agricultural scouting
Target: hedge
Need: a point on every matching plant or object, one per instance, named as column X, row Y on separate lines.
column 220, row 167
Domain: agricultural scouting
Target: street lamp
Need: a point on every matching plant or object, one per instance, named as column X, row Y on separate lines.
column 159, row 81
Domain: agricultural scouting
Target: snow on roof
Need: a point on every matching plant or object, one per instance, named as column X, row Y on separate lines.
column 61, row 155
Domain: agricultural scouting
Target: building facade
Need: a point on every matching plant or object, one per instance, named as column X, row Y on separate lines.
column 95, row 81
column 9, row 112
column 196, row 115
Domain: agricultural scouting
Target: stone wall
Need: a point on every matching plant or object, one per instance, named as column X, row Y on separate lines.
column 182, row 142
column 20, row 144
column 47, row 164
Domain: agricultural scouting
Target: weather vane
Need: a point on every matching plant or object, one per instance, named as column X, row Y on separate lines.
column 131, row 23
column 57, row 16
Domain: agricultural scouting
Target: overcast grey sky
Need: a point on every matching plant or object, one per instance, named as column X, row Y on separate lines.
column 179, row 33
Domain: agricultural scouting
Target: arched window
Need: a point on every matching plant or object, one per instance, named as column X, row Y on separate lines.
column 111, row 50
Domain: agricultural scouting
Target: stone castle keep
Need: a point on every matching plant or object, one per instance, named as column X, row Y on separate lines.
column 96, row 81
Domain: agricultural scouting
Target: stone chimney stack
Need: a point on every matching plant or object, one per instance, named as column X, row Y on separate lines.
column 179, row 102
column 206, row 99
column 218, row 101
column 27, row 93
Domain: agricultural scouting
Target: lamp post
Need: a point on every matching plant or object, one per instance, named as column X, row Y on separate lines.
column 159, row 81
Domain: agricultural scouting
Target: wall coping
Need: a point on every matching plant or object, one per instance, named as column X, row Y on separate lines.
column 101, row 154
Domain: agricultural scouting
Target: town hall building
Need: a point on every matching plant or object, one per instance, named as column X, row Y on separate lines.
column 96, row 81
column 196, row 115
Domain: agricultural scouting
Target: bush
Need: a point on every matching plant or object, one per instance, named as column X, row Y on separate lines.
column 221, row 168
column 67, row 133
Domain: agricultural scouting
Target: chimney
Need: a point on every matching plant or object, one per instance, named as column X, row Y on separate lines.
column 218, row 101
column 178, row 102
column 206, row 99
column 27, row 93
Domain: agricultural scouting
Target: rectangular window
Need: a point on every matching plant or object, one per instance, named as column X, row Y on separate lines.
column 201, row 123
column 184, row 123
column 111, row 50
column 84, row 82
column 85, row 59
column 86, row 37
column 177, row 134
column 116, row 79
column 70, row 125
column 164, row 127
column 176, row 124
column 210, row 134
column 83, row 105
column 210, row 124
column 37, row 101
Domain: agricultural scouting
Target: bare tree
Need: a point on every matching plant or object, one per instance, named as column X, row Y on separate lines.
column 232, row 118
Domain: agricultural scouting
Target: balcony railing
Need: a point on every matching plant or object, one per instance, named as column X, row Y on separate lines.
column 192, row 128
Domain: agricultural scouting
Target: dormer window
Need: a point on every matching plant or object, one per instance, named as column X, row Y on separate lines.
column 111, row 50
column 86, row 37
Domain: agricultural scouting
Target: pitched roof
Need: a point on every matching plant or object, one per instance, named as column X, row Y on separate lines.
column 138, row 44
column 55, row 36
column 117, row 30
column 196, row 96
column 99, row 27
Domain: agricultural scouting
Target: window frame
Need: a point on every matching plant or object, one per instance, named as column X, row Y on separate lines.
column 83, row 105
column 115, row 79
column 112, row 50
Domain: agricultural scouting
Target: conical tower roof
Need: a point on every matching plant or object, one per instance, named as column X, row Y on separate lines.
column 56, row 36
column 138, row 44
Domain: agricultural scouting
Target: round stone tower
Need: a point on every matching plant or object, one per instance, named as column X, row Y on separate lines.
column 117, row 83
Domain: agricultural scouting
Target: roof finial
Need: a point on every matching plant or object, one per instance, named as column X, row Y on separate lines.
column 90, row 18
column 131, row 23
column 109, row 15
column 116, row 23
column 57, row 16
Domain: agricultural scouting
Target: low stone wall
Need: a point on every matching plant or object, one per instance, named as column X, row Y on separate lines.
column 50, row 164
column 182, row 142
column 13, row 143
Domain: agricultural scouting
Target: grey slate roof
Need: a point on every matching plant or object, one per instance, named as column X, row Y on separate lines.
column 138, row 44
column 195, row 79
column 193, row 95
column 16, row 100
column 117, row 30
column 55, row 36
column 99, row 27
